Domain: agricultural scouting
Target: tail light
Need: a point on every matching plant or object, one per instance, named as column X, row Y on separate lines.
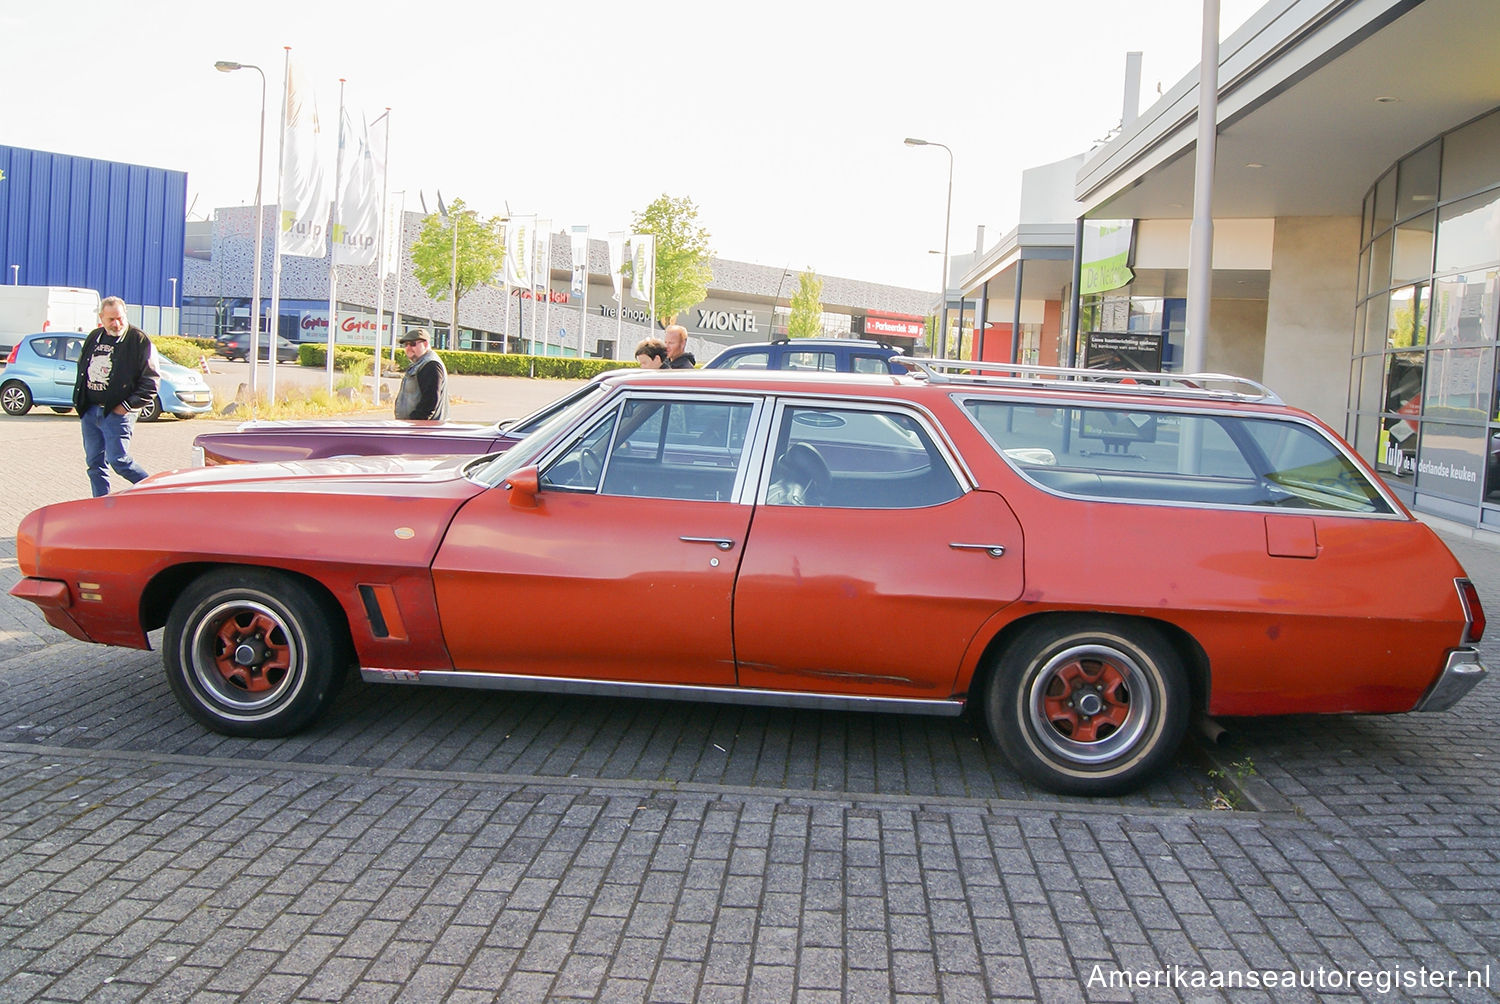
column 1473, row 611
column 13, row 350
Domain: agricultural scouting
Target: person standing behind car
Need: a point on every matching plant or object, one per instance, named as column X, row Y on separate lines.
column 423, row 393
column 117, row 377
column 678, row 358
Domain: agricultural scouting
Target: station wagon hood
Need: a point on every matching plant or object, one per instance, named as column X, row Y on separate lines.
column 387, row 425
column 360, row 476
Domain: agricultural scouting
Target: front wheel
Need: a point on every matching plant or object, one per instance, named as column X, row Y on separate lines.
column 151, row 412
column 250, row 652
column 1088, row 705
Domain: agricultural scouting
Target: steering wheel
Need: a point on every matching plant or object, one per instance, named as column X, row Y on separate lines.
column 803, row 467
column 590, row 466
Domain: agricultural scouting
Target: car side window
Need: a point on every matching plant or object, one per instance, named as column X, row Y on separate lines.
column 809, row 360
column 1138, row 454
column 755, row 360
column 861, row 363
column 71, row 349
column 857, row 458
column 45, row 347
column 580, row 466
column 692, row 450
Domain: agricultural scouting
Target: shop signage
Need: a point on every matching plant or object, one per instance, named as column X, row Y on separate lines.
column 1106, row 255
column 901, row 327
column 1139, row 351
column 726, row 320
column 551, row 295
column 634, row 316
column 354, row 329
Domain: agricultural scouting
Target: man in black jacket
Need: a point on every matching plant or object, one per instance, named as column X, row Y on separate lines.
column 117, row 377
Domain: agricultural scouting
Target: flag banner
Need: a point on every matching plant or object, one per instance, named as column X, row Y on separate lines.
column 518, row 250
column 617, row 262
column 642, row 265
column 358, row 227
column 580, row 259
column 541, row 273
column 304, row 180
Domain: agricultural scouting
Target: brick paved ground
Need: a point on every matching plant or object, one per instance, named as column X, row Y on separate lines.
column 427, row 845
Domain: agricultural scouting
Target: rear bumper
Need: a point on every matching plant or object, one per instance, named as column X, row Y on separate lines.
column 1458, row 677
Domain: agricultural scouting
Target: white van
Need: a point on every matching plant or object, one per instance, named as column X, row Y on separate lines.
column 25, row 310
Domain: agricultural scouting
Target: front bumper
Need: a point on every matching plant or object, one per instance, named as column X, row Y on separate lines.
column 53, row 598
column 1458, row 677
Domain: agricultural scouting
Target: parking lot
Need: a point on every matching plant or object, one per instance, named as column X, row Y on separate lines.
column 429, row 844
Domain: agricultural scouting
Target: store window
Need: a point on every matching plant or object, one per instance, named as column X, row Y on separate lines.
column 1424, row 387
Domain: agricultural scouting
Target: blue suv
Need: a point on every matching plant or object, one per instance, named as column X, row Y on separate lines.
column 829, row 355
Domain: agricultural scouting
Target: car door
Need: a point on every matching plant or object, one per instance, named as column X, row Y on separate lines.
column 623, row 570
column 876, row 582
column 65, row 368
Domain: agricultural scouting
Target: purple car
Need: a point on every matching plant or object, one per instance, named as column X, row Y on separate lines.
column 258, row 442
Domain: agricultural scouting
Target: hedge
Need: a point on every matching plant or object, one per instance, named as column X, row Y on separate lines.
column 474, row 363
column 184, row 351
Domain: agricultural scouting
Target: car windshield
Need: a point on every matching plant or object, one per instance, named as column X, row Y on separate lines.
column 492, row 471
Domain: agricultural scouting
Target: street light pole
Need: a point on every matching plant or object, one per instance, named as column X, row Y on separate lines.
column 225, row 66
column 176, row 325
column 947, row 222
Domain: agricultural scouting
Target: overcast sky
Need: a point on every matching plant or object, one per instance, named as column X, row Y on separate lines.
column 782, row 120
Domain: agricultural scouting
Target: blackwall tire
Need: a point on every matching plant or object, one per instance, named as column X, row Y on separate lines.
column 1088, row 705
column 256, row 653
column 15, row 398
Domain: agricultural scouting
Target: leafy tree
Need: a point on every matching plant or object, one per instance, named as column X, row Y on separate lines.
column 682, row 253
column 481, row 251
column 807, row 307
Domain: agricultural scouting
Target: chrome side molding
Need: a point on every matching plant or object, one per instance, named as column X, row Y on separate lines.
column 946, row 708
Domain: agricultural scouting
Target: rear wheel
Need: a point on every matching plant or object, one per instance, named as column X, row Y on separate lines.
column 15, row 398
column 1088, row 705
column 250, row 652
column 60, row 410
column 152, row 411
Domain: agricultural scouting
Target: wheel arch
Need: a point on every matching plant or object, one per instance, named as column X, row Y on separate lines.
column 1194, row 659
column 164, row 588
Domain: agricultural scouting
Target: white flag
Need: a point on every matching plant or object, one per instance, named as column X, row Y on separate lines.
column 304, row 184
column 358, row 228
column 518, row 251
column 642, row 265
column 541, row 276
column 617, row 261
column 580, row 259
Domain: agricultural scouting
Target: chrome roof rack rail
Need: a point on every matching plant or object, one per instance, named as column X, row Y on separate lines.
column 1204, row 386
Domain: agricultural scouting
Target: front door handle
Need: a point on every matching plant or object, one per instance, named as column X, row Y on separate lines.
column 719, row 542
column 993, row 550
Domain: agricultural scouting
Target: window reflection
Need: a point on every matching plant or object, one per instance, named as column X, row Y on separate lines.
column 1469, row 233
column 1407, row 325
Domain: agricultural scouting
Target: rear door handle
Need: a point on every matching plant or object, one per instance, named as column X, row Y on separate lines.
column 993, row 550
column 720, row 542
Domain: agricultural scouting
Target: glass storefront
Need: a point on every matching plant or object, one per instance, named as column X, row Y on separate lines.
column 1422, row 384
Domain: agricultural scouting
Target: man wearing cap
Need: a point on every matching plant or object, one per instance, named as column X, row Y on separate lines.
column 424, row 385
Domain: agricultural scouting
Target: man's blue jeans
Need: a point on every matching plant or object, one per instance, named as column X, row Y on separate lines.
column 106, row 440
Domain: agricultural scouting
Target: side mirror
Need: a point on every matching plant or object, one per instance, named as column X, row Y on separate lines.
column 525, row 485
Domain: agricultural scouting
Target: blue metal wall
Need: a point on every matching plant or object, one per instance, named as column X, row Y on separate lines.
column 76, row 221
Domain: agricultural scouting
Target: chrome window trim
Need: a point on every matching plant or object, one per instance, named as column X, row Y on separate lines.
column 961, row 397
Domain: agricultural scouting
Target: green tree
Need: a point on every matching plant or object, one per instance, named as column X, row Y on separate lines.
column 682, row 254
column 807, row 308
column 479, row 255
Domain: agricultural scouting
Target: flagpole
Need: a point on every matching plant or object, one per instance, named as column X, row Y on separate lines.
column 400, row 274
column 546, row 267
column 583, row 317
column 333, row 244
column 385, row 195
column 275, row 333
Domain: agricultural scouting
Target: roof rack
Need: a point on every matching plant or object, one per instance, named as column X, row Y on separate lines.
column 1212, row 386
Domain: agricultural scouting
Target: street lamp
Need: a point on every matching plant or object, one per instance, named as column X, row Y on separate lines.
column 947, row 221
column 15, row 275
column 785, row 275
column 225, row 66
column 176, row 326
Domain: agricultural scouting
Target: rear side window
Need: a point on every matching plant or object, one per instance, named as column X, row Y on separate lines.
column 754, row 360
column 806, row 360
column 1161, row 456
column 869, row 364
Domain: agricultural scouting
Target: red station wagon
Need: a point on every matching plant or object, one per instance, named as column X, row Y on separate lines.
column 1084, row 559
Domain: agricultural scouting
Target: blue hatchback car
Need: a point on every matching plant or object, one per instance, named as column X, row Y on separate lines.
column 41, row 368
column 829, row 355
